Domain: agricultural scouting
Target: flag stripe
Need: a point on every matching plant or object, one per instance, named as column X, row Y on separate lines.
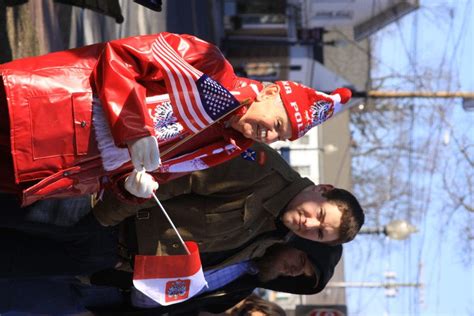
column 175, row 92
column 181, row 77
column 173, row 266
column 180, row 62
column 195, row 107
column 157, row 98
column 180, row 84
column 178, row 59
column 153, row 267
column 188, row 124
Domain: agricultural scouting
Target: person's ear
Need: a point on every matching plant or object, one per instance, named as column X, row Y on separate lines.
column 269, row 91
column 324, row 188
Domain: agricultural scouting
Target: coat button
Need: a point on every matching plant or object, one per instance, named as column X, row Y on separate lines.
column 83, row 124
column 66, row 173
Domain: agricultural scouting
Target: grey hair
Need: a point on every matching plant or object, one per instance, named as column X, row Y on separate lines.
column 267, row 83
column 278, row 100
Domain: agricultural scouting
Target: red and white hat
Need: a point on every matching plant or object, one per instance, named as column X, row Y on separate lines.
column 307, row 107
column 169, row 279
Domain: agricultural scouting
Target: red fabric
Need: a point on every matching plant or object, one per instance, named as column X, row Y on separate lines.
column 176, row 266
column 307, row 107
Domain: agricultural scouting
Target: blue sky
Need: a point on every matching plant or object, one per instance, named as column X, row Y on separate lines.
column 438, row 36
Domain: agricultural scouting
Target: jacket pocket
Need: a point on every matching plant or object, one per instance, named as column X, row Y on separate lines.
column 256, row 219
column 60, row 124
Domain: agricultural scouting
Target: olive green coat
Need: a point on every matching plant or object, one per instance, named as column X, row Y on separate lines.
column 221, row 208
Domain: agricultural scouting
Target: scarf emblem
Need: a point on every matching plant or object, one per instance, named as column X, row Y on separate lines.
column 165, row 122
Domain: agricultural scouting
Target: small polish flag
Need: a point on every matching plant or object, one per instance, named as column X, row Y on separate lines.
column 170, row 279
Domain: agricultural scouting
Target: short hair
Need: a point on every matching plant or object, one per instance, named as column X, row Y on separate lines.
column 278, row 100
column 352, row 217
column 256, row 303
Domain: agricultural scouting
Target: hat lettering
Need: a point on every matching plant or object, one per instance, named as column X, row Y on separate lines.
column 287, row 87
column 297, row 115
column 294, row 105
column 300, row 126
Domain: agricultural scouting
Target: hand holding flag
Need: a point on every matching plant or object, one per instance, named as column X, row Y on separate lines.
column 141, row 184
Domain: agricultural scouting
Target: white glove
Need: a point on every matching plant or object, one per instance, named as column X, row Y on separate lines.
column 145, row 153
column 141, row 184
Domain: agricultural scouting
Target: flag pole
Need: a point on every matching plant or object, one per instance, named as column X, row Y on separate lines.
column 171, row 222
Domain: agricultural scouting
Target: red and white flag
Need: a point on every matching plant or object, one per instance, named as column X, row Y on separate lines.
column 170, row 279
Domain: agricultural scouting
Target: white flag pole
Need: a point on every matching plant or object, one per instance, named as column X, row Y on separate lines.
column 171, row 222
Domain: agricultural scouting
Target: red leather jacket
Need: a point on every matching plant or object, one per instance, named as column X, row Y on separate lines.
column 50, row 97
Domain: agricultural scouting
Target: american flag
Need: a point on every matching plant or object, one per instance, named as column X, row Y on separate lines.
column 197, row 100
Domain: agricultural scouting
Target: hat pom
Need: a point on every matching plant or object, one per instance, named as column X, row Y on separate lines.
column 344, row 93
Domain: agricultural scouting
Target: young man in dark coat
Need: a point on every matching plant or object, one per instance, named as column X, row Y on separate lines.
column 254, row 195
